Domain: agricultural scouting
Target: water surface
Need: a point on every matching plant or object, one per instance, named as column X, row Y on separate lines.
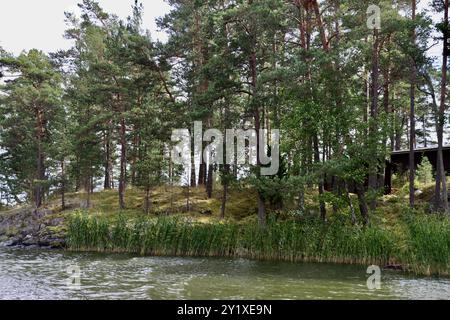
column 40, row 274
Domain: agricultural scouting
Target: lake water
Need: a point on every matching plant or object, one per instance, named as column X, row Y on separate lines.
column 41, row 274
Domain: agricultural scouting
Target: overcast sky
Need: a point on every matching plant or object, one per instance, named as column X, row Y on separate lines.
column 27, row 24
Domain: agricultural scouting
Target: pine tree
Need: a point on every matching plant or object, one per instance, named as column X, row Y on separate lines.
column 29, row 115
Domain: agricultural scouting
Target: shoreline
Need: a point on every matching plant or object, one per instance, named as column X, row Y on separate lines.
column 420, row 247
column 284, row 241
column 394, row 267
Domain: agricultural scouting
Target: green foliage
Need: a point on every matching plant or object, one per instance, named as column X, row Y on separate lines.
column 31, row 113
column 424, row 172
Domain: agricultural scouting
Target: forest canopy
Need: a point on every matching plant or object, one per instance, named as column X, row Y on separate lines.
column 344, row 86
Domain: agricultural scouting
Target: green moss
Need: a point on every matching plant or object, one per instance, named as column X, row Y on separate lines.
column 172, row 201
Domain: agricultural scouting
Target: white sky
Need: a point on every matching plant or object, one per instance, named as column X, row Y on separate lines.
column 28, row 24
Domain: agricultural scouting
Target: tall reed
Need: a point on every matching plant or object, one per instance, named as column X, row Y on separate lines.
column 282, row 240
column 429, row 244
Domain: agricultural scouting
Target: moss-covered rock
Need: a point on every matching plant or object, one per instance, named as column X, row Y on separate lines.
column 31, row 227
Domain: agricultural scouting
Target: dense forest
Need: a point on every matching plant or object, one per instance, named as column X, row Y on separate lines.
column 347, row 82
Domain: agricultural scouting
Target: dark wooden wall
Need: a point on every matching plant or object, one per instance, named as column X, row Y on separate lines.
column 400, row 162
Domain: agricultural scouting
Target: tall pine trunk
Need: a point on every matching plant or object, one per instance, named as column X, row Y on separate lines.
column 441, row 183
column 209, row 184
column 322, row 205
column 40, row 165
column 148, row 203
column 387, row 111
column 225, row 183
column 256, row 114
column 362, row 203
column 412, row 118
column 108, row 160
column 63, row 186
column 193, row 181
column 373, row 131
column 123, row 163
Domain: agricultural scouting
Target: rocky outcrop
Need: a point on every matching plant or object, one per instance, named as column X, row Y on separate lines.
column 32, row 227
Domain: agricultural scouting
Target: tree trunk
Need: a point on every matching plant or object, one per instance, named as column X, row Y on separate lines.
column 78, row 179
column 171, row 184
column 362, row 203
column 441, row 181
column 257, row 115
column 225, row 191
column 373, row 141
column 201, row 59
column 123, row 164
column 188, row 198
column 323, row 36
column 135, row 155
column 63, row 186
column 108, row 162
column 88, row 188
column 148, row 203
column 388, row 112
column 301, row 24
column 262, row 218
column 202, row 174
column 193, row 175
column 40, row 165
column 412, row 119
column 425, row 133
column 39, row 190
column 209, row 184
column 323, row 209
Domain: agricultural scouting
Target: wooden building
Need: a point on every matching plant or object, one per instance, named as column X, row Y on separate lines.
column 400, row 162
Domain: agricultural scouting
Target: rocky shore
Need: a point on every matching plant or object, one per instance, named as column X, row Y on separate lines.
column 29, row 227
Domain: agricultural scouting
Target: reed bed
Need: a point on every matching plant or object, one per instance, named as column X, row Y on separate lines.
column 429, row 245
column 427, row 250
